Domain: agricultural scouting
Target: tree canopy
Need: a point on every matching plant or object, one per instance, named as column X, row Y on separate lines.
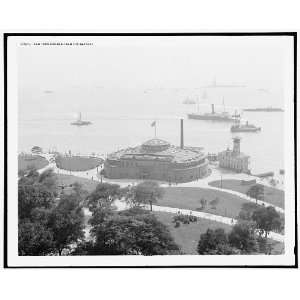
column 242, row 236
column 256, row 191
column 103, row 195
column 267, row 219
column 46, row 226
column 146, row 192
column 215, row 242
column 131, row 232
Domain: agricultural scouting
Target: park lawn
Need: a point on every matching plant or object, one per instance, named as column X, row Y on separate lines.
column 31, row 161
column 67, row 180
column 77, row 163
column 271, row 195
column 187, row 235
column 189, row 198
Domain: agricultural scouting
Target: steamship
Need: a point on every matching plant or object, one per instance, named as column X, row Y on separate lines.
column 214, row 116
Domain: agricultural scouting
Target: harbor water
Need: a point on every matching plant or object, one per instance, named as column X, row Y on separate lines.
column 122, row 118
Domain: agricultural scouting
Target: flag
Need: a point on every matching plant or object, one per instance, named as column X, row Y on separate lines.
column 153, row 123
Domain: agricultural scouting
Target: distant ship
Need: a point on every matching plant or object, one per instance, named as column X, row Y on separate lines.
column 267, row 109
column 189, row 101
column 263, row 90
column 79, row 122
column 48, row 91
column 244, row 128
column 214, row 116
column 216, row 85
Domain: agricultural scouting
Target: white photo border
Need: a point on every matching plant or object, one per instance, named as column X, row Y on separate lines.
column 11, row 258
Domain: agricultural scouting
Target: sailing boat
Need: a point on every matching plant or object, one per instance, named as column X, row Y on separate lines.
column 79, row 122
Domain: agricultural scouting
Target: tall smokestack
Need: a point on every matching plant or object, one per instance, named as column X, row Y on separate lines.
column 212, row 108
column 181, row 134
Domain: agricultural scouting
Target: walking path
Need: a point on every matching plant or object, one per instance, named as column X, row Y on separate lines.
column 203, row 183
column 121, row 205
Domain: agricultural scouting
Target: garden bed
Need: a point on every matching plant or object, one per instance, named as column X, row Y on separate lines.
column 77, row 163
column 27, row 161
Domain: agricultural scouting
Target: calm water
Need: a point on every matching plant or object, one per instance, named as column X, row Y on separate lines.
column 122, row 118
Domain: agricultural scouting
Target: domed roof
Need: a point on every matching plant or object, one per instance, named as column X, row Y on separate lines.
column 155, row 145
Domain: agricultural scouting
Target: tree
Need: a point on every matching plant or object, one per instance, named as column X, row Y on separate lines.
column 79, row 191
column 267, row 219
column 44, row 226
column 256, row 191
column 247, row 211
column 203, row 203
column 214, row 242
column 213, row 203
column 103, row 195
column 66, row 221
column 34, row 239
column 32, row 196
column 242, row 236
column 146, row 192
column 132, row 232
column 49, row 180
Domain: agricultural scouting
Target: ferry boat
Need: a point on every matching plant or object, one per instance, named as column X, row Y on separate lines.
column 214, row 116
column 244, row 128
column 79, row 122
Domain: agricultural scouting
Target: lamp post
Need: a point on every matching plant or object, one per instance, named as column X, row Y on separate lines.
column 221, row 182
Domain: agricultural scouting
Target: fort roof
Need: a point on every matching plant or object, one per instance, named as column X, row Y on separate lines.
column 157, row 149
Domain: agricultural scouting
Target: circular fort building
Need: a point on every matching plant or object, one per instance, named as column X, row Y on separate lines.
column 158, row 160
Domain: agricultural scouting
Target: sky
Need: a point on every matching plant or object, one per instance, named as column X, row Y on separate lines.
column 147, row 62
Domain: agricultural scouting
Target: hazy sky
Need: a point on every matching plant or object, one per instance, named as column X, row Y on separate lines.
column 170, row 62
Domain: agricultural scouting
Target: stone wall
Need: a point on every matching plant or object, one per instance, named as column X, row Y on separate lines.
column 154, row 170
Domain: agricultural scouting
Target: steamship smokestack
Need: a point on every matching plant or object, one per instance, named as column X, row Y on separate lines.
column 212, row 108
column 181, row 134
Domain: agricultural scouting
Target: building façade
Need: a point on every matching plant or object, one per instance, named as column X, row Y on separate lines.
column 234, row 159
column 157, row 159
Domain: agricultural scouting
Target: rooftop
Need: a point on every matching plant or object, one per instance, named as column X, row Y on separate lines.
column 157, row 149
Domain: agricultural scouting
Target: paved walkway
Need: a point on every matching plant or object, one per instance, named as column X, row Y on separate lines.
column 203, row 183
column 121, row 205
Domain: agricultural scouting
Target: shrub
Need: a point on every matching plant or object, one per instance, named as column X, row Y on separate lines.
column 177, row 224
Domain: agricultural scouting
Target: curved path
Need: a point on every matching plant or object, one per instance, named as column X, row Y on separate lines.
column 203, row 183
column 121, row 205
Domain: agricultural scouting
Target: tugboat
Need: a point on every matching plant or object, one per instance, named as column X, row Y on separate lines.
column 79, row 122
column 214, row 116
column 244, row 128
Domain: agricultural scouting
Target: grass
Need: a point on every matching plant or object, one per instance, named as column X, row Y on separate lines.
column 189, row 198
column 271, row 195
column 28, row 160
column 187, row 235
column 67, row 180
column 77, row 163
